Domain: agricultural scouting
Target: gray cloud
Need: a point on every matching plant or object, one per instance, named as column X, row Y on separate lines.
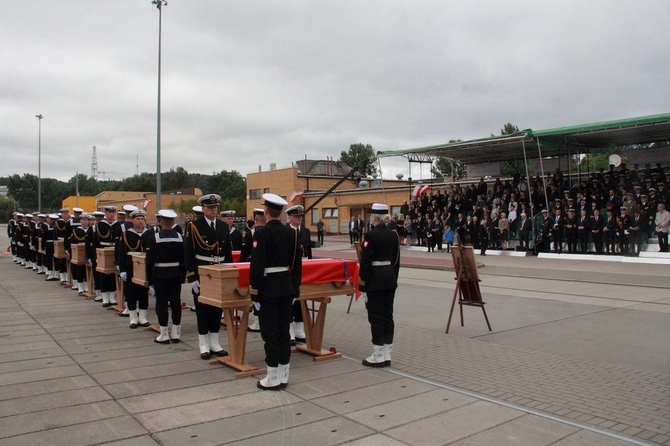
column 248, row 83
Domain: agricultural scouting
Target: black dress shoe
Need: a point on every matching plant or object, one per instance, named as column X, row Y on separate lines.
column 292, row 342
column 220, row 353
column 146, row 324
column 167, row 341
column 204, row 355
column 134, row 326
column 283, row 385
column 175, row 341
column 106, row 305
column 301, row 341
column 262, row 387
column 387, row 363
column 122, row 314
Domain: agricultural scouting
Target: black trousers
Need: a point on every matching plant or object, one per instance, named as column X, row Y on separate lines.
column 136, row 295
column 275, row 318
column 78, row 272
column 319, row 236
column 107, row 282
column 168, row 292
column 296, row 311
column 209, row 317
column 662, row 241
column 380, row 315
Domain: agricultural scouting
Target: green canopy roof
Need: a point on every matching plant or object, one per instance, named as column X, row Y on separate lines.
column 552, row 142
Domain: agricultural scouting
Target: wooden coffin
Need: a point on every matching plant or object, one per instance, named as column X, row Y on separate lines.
column 104, row 258
column 140, row 269
column 218, row 287
column 59, row 249
column 79, row 254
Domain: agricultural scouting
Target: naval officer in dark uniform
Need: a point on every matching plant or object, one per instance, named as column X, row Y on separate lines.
column 165, row 273
column 275, row 274
column 295, row 221
column 234, row 234
column 207, row 243
column 380, row 264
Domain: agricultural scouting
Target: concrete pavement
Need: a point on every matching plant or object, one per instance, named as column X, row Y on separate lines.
column 569, row 361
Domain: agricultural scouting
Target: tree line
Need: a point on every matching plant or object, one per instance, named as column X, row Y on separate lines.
column 22, row 195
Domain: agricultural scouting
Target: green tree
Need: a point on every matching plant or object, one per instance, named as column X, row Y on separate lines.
column 509, row 168
column 230, row 185
column 176, row 179
column 7, row 207
column 445, row 167
column 361, row 157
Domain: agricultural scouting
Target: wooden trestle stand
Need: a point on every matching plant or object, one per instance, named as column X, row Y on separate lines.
column 219, row 287
column 140, row 278
column 105, row 264
column 467, row 282
column 59, row 253
column 79, row 258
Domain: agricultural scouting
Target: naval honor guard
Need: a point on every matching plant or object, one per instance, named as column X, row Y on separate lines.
column 166, row 272
column 207, row 243
column 380, row 264
column 275, row 274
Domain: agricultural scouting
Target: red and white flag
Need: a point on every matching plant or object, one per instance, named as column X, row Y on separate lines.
column 146, row 204
column 419, row 189
column 296, row 195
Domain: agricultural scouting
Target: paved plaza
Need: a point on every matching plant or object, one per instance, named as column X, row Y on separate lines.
column 579, row 354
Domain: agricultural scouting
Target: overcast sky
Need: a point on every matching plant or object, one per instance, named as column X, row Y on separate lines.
column 246, row 83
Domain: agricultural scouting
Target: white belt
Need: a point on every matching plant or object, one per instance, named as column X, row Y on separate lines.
column 381, row 263
column 275, row 269
column 134, row 253
column 50, row 241
column 213, row 259
column 106, row 243
column 166, row 264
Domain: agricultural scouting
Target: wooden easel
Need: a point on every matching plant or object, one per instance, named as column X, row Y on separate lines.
column 467, row 282
column 90, row 294
column 314, row 318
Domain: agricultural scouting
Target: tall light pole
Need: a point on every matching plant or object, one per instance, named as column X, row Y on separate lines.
column 39, row 164
column 159, row 4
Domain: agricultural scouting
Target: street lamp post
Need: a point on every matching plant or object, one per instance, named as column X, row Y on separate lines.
column 159, row 4
column 39, row 163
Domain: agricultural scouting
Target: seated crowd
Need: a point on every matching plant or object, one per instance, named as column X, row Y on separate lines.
column 613, row 211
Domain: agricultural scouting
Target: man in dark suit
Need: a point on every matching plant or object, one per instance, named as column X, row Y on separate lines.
column 295, row 217
column 275, row 275
column 353, row 231
column 583, row 230
column 558, row 224
column 525, row 230
column 571, row 232
column 638, row 226
column 609, row 231
column 597, row 226
column 207, row 243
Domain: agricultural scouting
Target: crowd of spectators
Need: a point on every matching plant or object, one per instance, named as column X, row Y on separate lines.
column 614, row 211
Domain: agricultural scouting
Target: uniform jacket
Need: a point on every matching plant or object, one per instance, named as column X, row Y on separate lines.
column 380, row 245
column 202, row 240
column 275, row 246
column 163, row 248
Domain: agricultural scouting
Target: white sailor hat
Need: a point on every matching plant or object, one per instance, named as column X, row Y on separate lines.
column 121, row 213
column 19, row 214
column 379, row 208
column 53, row 216
column 571, row 210
column 89, row 216
column 228, row 213
column 297, row 210
column 98, row 214
column 259, row 211
column 209, row 200
column 42, row 215
column 63, row 210
column 197, row 209
column 167, row 213
column 544, row 211
column 109, row 208
column 274, row 201
column 77, row 210
column 129, row 208
column 138, row 213
column 35, row 213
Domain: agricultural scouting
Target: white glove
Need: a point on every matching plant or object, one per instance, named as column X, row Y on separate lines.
column 195, row 286
column 364, row 296
column 124, row 276
column 257, row 306
column 152, row 290
column 90, row 262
